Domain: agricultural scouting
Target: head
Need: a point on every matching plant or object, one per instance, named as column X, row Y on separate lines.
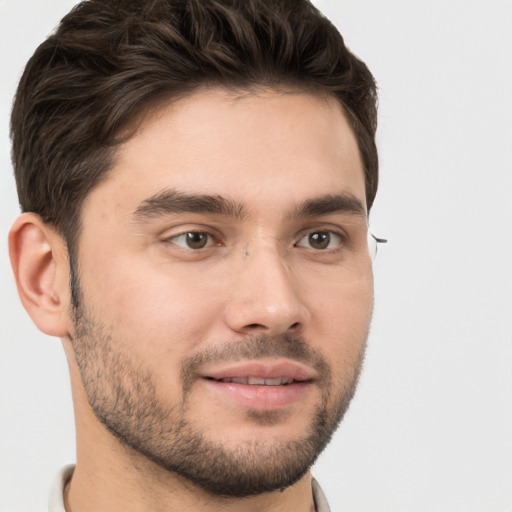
column 207, row 168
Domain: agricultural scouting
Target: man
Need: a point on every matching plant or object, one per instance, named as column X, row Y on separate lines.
column 196, row 178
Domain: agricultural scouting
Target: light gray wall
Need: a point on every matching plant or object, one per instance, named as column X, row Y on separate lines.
column 430, row 428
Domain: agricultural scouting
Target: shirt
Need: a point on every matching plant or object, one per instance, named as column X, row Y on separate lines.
column 56, row 503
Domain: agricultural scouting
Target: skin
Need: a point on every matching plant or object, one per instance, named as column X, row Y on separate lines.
column 158, row 301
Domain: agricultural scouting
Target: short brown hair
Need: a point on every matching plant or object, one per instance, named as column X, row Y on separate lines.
column 109, row 60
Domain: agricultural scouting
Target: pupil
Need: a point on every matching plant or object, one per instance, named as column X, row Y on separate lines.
column 196, row 240
column 319, row 240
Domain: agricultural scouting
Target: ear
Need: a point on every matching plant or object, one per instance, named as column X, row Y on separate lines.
column 39, row 260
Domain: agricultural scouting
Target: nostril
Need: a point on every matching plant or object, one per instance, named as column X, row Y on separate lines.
column 255, row 326
column 252, row 327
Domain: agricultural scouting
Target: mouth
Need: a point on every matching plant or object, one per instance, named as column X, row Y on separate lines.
column 262, row 385
column 258, row 381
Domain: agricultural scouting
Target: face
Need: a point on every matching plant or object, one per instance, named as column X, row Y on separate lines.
column 225, row 287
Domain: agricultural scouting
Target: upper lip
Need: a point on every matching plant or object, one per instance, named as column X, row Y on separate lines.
column 264, row 369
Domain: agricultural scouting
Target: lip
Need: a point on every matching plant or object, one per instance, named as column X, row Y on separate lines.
column 257, row 396
column 270, row 369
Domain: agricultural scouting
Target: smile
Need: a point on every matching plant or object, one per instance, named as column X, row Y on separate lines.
column 269, row 384
column 259, row 381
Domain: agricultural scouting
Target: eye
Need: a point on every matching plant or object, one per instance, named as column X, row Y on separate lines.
column 320, row 240
column 192, row 240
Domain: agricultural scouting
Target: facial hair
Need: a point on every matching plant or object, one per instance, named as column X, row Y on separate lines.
column 123, row 394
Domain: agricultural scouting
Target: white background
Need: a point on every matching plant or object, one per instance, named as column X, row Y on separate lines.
column 430, row 428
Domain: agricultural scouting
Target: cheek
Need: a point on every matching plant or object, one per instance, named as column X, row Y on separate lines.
column 342, row 318
column 158, row 311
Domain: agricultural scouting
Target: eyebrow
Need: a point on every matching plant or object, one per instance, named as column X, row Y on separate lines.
column 328, row 204
column 171, row 201
column 168, row 202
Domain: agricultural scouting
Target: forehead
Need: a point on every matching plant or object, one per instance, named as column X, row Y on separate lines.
column 262, row 148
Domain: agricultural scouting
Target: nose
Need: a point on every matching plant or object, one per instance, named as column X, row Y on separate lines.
column 265, row 297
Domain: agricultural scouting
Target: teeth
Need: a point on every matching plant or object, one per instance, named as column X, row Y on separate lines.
column 255, row 380
column 258, row 381
column 273, row 382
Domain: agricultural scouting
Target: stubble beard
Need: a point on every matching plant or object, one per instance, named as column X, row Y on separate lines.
column 125, row 399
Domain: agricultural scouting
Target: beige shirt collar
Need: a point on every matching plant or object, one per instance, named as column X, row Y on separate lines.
column 56, row 503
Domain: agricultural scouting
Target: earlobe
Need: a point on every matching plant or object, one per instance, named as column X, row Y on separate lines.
column 41, row 269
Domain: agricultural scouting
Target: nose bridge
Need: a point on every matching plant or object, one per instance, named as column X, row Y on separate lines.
column 265, row 296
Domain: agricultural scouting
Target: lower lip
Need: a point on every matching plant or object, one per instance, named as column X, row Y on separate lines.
column 260, row 397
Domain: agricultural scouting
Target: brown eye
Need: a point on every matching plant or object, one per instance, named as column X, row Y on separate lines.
column 320, row 240
column 192, row 240
column 196, row 240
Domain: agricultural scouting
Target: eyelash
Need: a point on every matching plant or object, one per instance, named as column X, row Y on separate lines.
column 185, row 234
column 326, row 235
column 329, row 234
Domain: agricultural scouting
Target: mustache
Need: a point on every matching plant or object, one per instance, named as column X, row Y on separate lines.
column 289, row 346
